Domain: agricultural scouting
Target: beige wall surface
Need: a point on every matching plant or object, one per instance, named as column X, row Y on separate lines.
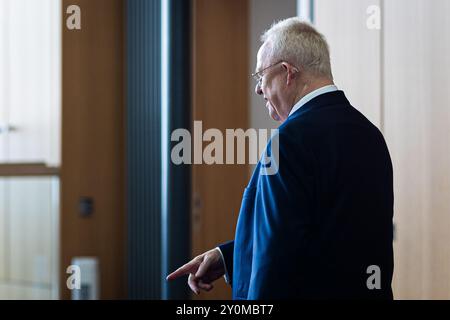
column 398, row 76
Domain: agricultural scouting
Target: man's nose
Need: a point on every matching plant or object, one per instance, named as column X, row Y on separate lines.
column 258, row 89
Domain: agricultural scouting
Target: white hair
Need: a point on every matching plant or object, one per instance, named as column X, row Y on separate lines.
column 297, row 42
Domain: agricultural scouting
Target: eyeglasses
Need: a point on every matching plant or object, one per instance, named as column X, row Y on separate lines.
column 259, row 75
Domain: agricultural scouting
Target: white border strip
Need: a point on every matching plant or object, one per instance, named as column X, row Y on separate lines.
column 304, row 10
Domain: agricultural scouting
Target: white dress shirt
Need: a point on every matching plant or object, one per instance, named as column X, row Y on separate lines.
column 312, row 95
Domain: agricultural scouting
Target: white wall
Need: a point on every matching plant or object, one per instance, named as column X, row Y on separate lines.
column 30, row 81
column 262, row 14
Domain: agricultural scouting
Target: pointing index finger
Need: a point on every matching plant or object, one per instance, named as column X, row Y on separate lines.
column 183, row 270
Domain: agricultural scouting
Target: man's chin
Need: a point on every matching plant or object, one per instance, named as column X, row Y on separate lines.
column 275, row 117
column 273, row 114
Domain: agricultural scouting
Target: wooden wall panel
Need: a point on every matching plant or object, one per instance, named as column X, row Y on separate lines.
column 220, row 100
column 417, row 129
column 355, row 52
column 93, row 142
column 410, row 58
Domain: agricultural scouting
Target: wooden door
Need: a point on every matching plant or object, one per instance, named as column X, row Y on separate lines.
column 93, row 135
column 220, row 100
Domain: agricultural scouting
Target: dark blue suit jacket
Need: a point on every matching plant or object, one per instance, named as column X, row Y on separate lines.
column 314, row 228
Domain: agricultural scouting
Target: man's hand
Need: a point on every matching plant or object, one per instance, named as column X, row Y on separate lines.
column 202, row 270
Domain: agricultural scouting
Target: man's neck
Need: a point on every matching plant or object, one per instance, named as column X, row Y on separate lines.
column 310, row 87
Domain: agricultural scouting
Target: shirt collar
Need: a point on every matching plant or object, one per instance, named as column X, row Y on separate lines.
column 312, row 95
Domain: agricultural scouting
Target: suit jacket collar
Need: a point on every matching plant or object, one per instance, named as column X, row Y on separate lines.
column 326, row 99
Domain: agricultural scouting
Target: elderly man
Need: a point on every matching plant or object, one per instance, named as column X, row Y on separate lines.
column 321, row 227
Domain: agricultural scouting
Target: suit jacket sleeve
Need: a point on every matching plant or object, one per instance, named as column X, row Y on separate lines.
column 227, row 250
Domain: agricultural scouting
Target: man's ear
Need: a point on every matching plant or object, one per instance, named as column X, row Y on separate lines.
column 291, row 72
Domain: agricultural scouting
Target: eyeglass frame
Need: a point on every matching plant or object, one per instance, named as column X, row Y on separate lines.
column 258, row 76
